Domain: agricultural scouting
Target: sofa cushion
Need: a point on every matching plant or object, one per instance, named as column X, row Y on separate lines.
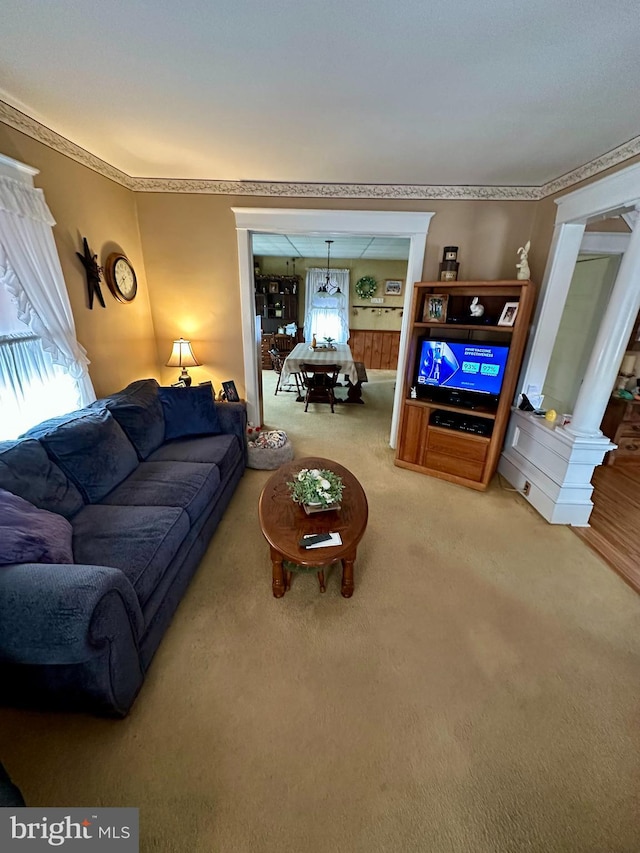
column 189, row 411
column 92, row 450
column 225, row 451
column 32, row 535
column 26, row 470
column 189, row 485
column 139, row 540
column 139, row 412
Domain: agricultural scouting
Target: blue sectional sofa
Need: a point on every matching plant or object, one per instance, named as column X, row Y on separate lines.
column 141, row 480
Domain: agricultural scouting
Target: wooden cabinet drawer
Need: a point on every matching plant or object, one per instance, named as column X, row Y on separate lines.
column 454, row 465
column 463, row 446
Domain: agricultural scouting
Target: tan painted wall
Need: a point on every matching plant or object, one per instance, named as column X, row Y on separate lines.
column 119, row 339
column 190, row 251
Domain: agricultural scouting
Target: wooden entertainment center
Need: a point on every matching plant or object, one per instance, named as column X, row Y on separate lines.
column 468, row 452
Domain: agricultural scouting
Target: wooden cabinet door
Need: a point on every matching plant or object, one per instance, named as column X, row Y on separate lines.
column 413, row 434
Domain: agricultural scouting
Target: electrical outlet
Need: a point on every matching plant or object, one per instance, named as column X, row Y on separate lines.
column 526, row 488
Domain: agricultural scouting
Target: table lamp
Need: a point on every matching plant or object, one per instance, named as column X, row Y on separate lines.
column 182, row 356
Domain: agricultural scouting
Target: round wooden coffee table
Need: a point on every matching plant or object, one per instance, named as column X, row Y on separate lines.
column 284, row 523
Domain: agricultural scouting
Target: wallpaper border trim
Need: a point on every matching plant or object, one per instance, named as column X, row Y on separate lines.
column 31, row 127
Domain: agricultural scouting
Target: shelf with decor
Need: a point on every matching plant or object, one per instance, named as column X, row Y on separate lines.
column 276, row 299
column 464, row 351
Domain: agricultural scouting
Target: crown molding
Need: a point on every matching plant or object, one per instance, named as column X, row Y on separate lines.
column 36, row 130
column 29, row 126
column 594, row 167
column 311, row 190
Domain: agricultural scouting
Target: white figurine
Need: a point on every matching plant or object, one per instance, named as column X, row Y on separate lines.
column 476, row 309
column 523, row 267
column 414, row 393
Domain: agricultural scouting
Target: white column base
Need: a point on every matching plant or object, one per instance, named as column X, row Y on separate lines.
column 559, row 467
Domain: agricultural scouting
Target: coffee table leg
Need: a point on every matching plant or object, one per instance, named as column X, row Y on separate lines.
column 347, row 577
column 278, row 584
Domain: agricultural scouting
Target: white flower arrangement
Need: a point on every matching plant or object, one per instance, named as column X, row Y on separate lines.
column 316, row 486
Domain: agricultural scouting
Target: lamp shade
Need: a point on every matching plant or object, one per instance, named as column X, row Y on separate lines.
column 182, row 355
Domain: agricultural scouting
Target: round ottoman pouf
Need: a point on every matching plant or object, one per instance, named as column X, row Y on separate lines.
column 270, row 450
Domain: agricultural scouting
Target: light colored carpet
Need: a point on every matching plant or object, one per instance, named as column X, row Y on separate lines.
column 478, row 693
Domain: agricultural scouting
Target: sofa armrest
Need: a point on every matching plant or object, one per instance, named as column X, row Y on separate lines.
column 60, row 614
column 233, row 419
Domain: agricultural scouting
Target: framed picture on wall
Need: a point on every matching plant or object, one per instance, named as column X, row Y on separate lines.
column 274, row 287
column 435, row 308
column 393, row 286
column 230, row 392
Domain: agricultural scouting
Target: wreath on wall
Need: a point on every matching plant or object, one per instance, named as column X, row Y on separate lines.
column 366, row 286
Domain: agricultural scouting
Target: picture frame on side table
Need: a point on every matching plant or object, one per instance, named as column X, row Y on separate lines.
column 509, row 314
column 393, row 286
column 230, row 391
column 435, row 308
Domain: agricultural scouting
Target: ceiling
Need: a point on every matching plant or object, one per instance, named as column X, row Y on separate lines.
column 307, row 246
column 446, row 92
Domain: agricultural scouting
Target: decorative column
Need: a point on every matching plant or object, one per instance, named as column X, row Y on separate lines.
column 610, row 345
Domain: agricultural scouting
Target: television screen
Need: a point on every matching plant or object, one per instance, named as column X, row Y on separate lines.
column 474, row 366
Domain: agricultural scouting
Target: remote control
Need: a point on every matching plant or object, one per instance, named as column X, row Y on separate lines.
column 314, row 539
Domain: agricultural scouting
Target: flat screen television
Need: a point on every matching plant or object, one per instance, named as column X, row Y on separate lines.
column 466, row 373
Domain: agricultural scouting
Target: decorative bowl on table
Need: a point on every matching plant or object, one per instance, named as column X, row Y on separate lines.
column 316, row 489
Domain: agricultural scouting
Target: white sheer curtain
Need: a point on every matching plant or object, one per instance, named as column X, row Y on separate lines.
column 327, row 309
column 43, row 368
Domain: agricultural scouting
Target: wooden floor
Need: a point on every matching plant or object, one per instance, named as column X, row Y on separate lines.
column 615, row 520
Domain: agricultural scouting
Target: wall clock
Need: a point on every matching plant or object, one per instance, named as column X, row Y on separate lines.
column 120, row 277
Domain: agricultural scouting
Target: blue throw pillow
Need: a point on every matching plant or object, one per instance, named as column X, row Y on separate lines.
column 189, row 411
column 32, row 535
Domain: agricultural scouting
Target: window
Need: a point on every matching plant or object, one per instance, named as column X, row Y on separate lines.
column 327, row 307
column 43, row 368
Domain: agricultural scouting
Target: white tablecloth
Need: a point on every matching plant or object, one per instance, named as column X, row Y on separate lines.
column 303, row 353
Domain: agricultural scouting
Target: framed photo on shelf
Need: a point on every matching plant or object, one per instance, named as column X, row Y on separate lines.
column 274, row 287
column 231, row 394
column 393, row 286
column 509, row 314
column 435, row 308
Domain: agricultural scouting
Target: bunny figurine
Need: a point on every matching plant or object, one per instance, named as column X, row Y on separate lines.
column 476, row 309
column 523, row 267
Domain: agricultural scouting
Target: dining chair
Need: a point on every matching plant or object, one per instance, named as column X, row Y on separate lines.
column 319, row 381
column 277, row 361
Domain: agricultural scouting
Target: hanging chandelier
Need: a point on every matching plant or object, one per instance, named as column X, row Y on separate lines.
column 327, row 287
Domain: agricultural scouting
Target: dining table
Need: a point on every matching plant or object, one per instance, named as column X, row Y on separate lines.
column 304, row 353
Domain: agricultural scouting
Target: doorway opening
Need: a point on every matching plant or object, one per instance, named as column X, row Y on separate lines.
column 413, row 226
column 300, row 295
